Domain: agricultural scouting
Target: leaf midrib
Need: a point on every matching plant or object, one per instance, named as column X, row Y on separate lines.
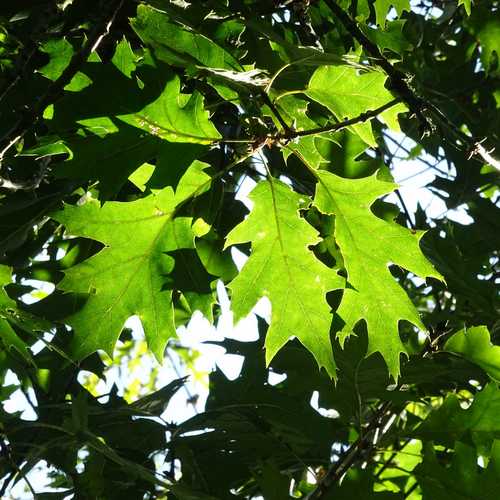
column 285, row 257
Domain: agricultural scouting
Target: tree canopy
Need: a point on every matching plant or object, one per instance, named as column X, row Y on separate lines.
column 331, row 162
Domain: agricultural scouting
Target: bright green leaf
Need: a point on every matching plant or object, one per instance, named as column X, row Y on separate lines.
column 130, row 275
column 8, row 336
column 60, row 52
column 474, row 344
column 368, row 245
column 114, row 126
column 141, row 176
column 294, row 111
column 382, row 8
column 124, row 58
column 284, row 269
column 467, row 5
column 450, row 422
column 464, row 479
column 175, row 117
column 179, row 46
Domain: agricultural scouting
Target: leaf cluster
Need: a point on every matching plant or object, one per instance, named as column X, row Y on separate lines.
column 130, row 135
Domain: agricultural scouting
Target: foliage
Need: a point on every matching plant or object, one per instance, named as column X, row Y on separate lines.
column 129, row 133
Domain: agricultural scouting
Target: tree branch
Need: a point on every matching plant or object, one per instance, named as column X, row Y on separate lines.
column 276, row 112
column 350, row 456
column 397, row 79
column 363, row 117
column 398, row 83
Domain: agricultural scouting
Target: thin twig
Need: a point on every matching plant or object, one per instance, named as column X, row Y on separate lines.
column 397, row 79
column 392, row 456
column 275, row 112
column 405, row 208
column 419, row 158
column 334, row 127
column 350, row 456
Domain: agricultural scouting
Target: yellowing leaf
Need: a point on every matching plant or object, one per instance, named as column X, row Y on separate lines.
column 368, row 245
column 283, row 268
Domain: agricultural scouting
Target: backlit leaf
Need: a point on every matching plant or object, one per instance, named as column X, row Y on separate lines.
column 348, row 93
column 474, row 344
column 9, row 338
column 368, row 245
column 130, row 275
column 282, row 268
column 177, row 45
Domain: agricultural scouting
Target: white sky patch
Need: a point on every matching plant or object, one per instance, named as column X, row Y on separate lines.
column 325, row 412
column 414, row 175
column 244, row 189
column 17, row 401
column 41, row 290
column 274, row 378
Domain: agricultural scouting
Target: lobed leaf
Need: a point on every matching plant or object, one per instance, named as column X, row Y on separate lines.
column 347, row 93
column 368, row 245
column 283, row 268
column 474, row 344
column 130, row 275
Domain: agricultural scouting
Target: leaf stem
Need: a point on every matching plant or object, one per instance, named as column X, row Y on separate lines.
column 334, row 127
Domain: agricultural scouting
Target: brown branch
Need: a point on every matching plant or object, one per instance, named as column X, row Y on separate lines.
column 358, row 449
column 276, row 112
column 405, row 209
column 398, row 83
column 397, row 79
column 334, row 127
column 353, row 454
column 289, row 134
